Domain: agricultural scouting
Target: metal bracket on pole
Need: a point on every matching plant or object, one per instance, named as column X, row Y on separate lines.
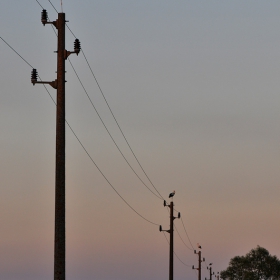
column 53, row 83
column 34, row 81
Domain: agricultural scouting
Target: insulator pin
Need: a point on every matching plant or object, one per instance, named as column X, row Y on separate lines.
column 77, row 46
column 34, row 76
column 44, row 17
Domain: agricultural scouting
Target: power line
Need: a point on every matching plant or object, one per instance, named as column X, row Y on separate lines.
column 113, row 115
column 176, row 254
column 186, row 233
column 52, row 6
column 39, row 4
column 107, row 179
column 90, row 157
column 112, row 139
column 184, row 230
column 16, row 52
column 119, row 126
column 100, row 89
column 182, row 239
column 111, row 185
column 109, row 131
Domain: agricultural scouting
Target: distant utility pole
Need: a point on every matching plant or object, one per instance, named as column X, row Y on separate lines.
column 171, row 243
column 200, row 260
column 59, row 85
column 210, row 271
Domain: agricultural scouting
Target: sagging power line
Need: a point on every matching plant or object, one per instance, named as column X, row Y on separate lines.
column 114, row 117
column 84, row 148
column 51, row 83
column 117, row 123
column 80, row 142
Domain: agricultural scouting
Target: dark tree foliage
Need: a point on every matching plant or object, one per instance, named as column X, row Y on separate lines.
column 258, row 264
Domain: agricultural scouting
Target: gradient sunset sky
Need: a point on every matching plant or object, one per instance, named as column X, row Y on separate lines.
column 194, row 86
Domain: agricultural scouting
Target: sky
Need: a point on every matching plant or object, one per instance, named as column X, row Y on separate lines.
column 194, row 87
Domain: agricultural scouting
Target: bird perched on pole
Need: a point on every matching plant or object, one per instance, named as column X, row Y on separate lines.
column 171, row 194
column 198, row 246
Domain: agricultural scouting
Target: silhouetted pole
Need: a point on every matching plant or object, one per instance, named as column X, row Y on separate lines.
column 59, row 248
column 59, row 85
column 210, row 269
column 199, row 265
column 171, row 243
column 200, row 260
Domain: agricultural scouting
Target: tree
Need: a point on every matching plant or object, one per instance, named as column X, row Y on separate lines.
column 258, row 264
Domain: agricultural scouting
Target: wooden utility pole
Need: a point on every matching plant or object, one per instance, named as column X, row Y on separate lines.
column 199, row 265
column 59, row 85
column 171, row 242
column 210, row 271
column 59, row 248
column 200, row 260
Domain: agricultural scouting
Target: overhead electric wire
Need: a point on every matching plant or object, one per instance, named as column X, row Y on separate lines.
column 111, row 185
column 120, row 127
column 107, row 179
column 182, row 238
column 52, row 6
column 112, row 139
column 16, row 52
column 100, row 89
column 160, row 196
column 175, row 252
column 186, row 232
column 203, row 266
column 109, row 131
column 184, row 229
column 113, row 115
column 39, row 4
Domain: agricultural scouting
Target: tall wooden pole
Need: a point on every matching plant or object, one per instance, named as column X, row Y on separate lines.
column 59, row 248
column 171, row 232
column 210, row 272
column 59, row 85
column 199, row 265
column 171, row 243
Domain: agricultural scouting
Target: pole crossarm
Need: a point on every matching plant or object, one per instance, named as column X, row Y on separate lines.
column 53, row 83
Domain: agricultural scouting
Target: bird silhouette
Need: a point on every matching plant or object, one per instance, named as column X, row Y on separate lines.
column 171, row 194
column 198, row 246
